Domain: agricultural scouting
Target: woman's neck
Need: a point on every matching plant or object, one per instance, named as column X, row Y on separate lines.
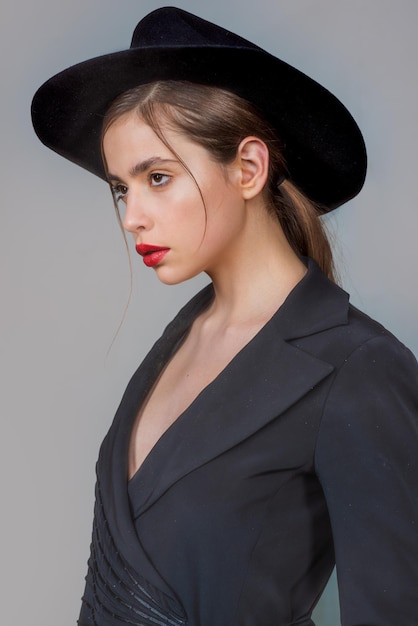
column 258, row 275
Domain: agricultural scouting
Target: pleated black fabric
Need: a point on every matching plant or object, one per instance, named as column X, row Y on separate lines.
column 115, row 595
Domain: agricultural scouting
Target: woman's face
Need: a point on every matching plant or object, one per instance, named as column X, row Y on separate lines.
column 163, row 208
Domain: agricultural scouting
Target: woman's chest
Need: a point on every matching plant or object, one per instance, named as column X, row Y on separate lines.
column 193, row 367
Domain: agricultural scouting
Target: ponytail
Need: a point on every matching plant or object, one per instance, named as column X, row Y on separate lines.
column 301, row 223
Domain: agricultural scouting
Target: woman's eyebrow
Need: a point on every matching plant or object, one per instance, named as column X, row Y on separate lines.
column 143, row 166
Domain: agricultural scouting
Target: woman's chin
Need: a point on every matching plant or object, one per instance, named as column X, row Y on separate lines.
column 168, row 276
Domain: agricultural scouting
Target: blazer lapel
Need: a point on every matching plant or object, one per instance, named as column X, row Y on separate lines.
column 260, row 383
column 112, row 466
column 242, row 399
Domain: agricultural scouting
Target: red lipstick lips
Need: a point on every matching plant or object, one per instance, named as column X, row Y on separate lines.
column 151, row 255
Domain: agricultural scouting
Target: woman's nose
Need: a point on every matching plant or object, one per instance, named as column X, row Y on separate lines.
column 135, row 217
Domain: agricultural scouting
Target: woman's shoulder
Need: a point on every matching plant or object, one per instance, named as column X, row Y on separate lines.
column 375, row 380
column 320, row 319
column 368, row 340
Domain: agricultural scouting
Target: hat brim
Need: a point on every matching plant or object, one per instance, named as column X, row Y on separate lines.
column 325, row 151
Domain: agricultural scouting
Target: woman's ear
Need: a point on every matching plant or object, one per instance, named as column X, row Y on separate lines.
column 252, row 161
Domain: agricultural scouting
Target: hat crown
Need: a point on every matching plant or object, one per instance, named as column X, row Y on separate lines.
column 172, row 27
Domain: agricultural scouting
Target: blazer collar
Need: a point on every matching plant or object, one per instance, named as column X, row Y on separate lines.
column 277, row 375
column 314, row 305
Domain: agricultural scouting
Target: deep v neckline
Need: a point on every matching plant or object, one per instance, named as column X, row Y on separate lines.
column 206, row 390
column 202, row 304
column 281, row 320
column 262, row 380
column 204, row 299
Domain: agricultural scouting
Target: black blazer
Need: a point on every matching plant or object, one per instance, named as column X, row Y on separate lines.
column 303, row 450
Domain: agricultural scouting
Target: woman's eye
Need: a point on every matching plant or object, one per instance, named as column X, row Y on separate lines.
column 119, row 192
column 157, row 179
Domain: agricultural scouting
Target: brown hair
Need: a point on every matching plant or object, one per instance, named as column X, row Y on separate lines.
column 219, row 120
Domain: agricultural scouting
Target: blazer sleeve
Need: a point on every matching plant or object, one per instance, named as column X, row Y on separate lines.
column 367, row 462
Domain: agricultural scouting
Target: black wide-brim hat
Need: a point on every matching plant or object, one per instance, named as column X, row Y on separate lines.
column 324, row 148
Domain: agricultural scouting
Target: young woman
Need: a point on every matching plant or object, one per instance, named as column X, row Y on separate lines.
column 272, row 429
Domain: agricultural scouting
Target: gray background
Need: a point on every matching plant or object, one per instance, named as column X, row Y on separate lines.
column 64, row 272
